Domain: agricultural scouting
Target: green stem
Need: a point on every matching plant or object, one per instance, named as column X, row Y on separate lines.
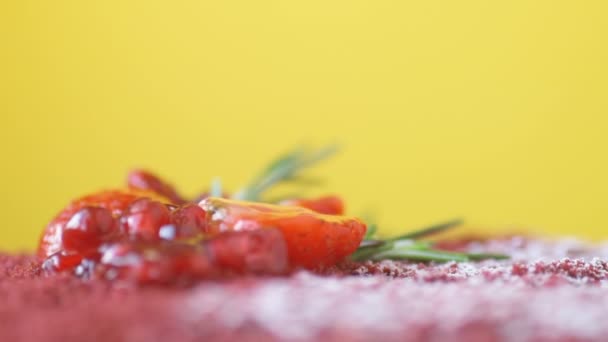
column 420, row 255
column 438, row 228
column 283, row 169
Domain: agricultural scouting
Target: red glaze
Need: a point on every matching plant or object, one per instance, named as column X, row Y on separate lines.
column 330, row 205
column 147, row 181
column 313, row 240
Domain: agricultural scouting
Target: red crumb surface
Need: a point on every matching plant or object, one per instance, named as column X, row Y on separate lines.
column 548, row 291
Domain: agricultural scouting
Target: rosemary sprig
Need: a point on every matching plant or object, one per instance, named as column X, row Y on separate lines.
column 420, row 255
column 286, row 168
column 407, row 247
column 438, row 228
column 290, row 167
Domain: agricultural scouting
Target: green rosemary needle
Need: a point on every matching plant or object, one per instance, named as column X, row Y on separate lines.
column 290, row 167
column 285, row 168
column 407, row 247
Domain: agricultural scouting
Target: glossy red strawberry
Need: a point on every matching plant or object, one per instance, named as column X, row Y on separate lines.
column 313, row 240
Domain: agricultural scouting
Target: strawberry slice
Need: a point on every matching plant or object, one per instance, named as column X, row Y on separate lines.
column 313, row 240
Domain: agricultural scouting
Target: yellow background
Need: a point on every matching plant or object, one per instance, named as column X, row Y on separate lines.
column 491, row 110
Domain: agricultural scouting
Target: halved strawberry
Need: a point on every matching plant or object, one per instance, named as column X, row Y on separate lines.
column 313, row 240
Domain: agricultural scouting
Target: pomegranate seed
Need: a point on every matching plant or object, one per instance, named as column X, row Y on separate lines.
column 144, row 218
column 190, row 220
column 85, row 230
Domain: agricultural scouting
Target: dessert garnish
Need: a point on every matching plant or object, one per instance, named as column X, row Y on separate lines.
column 151, row 234
column 408, row 246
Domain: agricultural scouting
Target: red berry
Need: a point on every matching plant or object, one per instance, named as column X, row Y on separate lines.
column 189, row 221
column 86, row 229
column 144, row 180
column 144, row 218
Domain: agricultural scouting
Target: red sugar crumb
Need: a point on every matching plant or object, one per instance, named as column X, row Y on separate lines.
column 549, row 291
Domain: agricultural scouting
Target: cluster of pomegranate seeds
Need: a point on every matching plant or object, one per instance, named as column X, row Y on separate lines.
column 128, row 236
column 257, row 252
column 152, row 234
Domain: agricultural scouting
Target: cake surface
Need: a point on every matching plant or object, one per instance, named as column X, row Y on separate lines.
column 547, row 291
